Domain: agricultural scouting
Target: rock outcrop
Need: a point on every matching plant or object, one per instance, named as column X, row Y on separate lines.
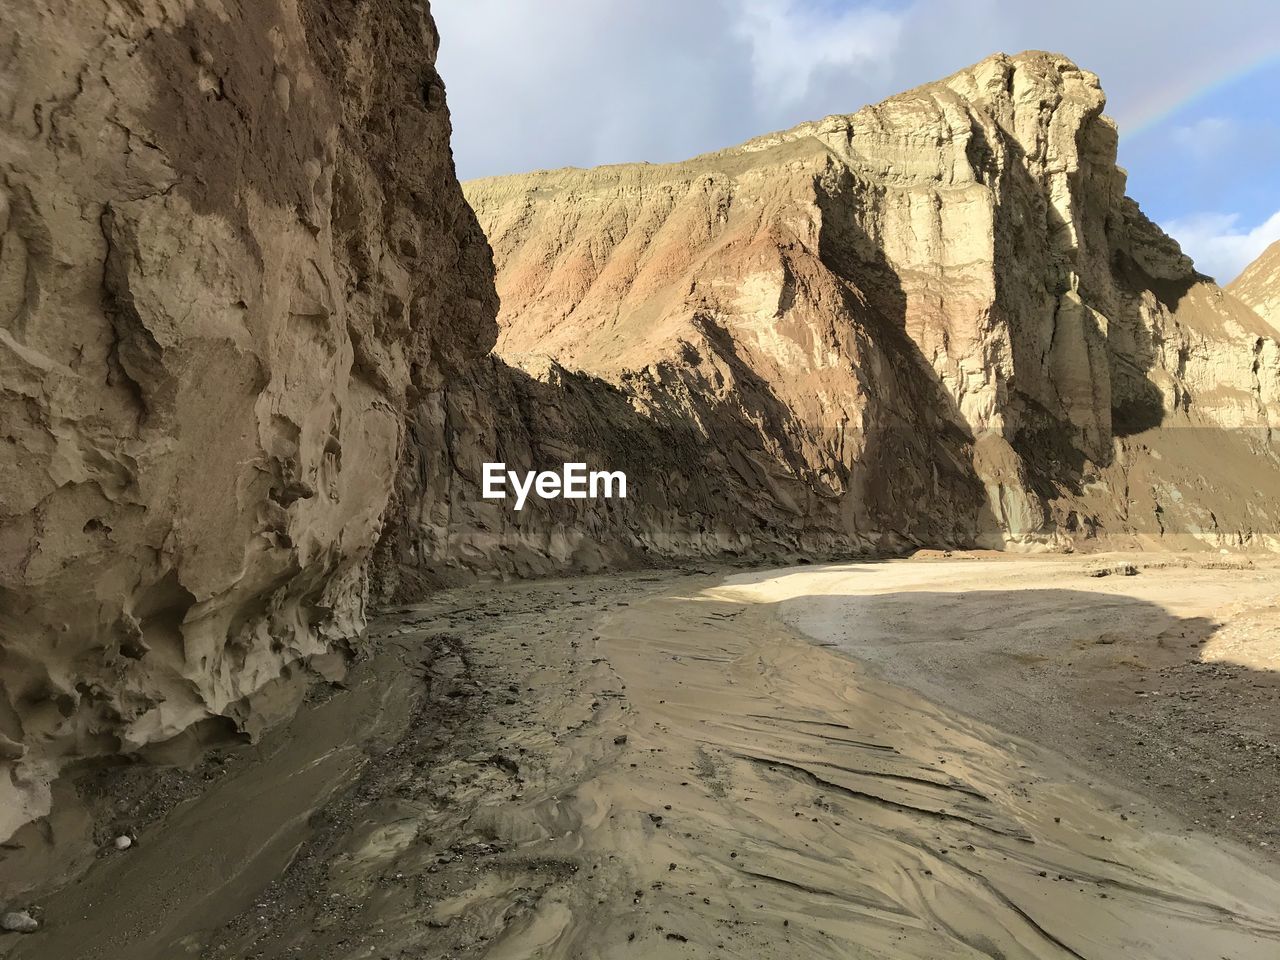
column 245, row 328
column 938, row 320
column 232, row 251
column 1259, row 285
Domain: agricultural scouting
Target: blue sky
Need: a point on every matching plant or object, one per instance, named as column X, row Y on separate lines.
column 1194, row 87
column 1210, row 171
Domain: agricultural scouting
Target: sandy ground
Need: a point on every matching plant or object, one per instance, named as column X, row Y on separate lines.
column 1167, row 681
column 665, row 766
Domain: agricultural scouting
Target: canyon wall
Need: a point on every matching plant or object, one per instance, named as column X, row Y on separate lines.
column 1259, row 285
column 232, row 251
column 936, row 321
column 246, row 384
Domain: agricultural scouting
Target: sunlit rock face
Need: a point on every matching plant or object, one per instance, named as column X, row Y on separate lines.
column 245, row 327
column 937, row 320
column 232, row 249
column 1259, row 285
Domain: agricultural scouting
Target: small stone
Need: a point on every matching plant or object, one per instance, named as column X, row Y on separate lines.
column 19, row 921
column 1108, row 569
column 123, row 842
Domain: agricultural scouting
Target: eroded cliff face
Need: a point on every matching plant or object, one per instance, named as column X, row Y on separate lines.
column 1259, row 285
column 246, row 314
column 232, row 251
column 935, row 321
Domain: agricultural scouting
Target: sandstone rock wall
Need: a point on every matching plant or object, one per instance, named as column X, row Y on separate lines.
column 1259, row 285
column 712, row 469
column 246, row 315
column 938, row 320
column 232, row 252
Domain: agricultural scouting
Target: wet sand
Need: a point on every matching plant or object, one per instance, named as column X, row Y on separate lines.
column 666, row 766
column 1167, row 681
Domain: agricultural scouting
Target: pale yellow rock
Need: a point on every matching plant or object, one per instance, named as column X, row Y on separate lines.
column 938, row 319
column 1259, row 285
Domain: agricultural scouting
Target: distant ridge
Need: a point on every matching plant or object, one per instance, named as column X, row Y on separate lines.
column 1259, row 285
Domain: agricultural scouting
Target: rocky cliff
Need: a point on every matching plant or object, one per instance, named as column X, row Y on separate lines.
column 247, row 314
column 1259, row 285
column 938, row 320
column 232, row 252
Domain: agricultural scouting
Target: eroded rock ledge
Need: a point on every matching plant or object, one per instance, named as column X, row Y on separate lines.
column 938, row 320
column 233, row 250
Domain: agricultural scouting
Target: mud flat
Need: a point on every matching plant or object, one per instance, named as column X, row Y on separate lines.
column 666, row 766
column 1166, row 679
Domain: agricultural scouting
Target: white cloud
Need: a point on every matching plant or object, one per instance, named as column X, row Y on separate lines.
column 792, row 41
column 534, row 83
column 583, row 82
column 1218, row 245
column 1207, row 137
column 546, row 83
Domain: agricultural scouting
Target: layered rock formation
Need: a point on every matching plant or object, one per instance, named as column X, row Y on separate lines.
column 937, row 320
column 1259, row 285
column 246, row 321
column 232, row 249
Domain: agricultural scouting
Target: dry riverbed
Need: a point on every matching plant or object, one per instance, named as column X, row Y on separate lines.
column 665, row 765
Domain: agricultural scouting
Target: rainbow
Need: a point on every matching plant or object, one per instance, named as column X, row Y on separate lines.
column 1150, row 109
